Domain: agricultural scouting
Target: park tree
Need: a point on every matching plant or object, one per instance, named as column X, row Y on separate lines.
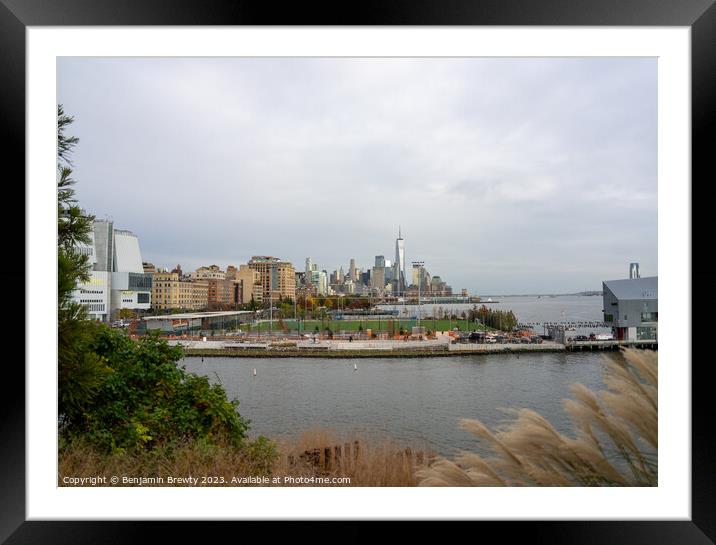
column 286, row 309
column 126, row 313
column 118, row 394
column 80, row 372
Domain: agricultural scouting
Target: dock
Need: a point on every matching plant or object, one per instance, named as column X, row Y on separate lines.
column 579, row 346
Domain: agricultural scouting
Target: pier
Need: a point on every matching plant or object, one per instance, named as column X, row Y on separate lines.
column 565, row 325
column 578, row 346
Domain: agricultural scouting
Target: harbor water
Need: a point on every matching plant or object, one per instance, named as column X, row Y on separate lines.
column 415, row 401
column 418, row 401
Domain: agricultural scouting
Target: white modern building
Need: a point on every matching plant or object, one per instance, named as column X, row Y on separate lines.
column 118, row 280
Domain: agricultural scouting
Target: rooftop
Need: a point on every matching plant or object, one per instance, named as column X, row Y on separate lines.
column 195, row 315
column 634, row 288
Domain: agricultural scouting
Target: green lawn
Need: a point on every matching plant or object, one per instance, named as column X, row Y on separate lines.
column 375, row 325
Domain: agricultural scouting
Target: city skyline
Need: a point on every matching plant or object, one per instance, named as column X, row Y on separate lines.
column 543, row 181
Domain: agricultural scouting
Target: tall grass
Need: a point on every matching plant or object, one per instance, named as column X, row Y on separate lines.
column 195, row 458
column 377, row 462
column 616, row 441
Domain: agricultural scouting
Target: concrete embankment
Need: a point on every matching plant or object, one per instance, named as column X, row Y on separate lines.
column 358, row 349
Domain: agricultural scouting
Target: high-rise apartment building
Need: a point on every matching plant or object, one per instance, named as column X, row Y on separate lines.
column 377, row 280
column 168, row 292
column 421, row 277
column 249, row 284
column 212, row 272
column 221, row 294
column 319, row 280
column 278, row 278
column 231, row 272
column 199, row 294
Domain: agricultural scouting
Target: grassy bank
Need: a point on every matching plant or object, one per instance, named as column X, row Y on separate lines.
column 373, row 463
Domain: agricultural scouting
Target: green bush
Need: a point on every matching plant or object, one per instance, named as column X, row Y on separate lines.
column 146, row 400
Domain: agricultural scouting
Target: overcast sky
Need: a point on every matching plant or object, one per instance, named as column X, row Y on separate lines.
column 506, row 175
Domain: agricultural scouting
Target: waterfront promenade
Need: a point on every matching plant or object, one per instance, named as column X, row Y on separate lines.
column 385, row 348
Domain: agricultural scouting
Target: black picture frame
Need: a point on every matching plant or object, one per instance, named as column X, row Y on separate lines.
column 699, row 15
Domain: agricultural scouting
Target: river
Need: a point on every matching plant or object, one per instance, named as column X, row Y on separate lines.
column 417, row 402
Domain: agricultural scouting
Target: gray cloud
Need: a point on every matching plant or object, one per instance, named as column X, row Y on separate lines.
column 507, row 175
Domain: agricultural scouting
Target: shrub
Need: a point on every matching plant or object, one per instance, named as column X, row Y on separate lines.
column 146, row 400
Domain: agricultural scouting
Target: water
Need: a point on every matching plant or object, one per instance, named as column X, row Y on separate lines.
column 533, row 308
column 415, row 401
column 527, row 309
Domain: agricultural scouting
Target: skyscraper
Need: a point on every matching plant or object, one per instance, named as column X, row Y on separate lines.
column 399, row 265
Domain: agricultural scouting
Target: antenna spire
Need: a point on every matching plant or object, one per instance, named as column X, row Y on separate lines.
column 399, row 235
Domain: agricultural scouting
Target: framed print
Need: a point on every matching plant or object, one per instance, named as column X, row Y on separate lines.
column 466, row 156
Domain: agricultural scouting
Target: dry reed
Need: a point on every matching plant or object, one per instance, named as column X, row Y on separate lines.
column 192, row 459
column 373, row 463
column 616, row 441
